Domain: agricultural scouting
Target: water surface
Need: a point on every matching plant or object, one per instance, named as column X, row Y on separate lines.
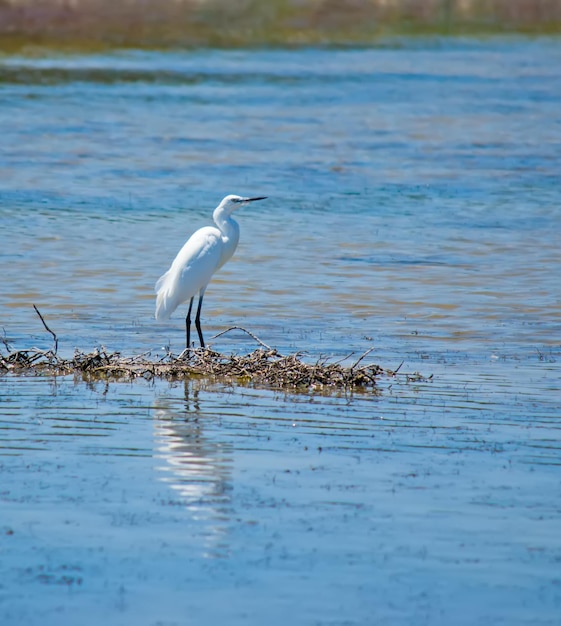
column 414, row 207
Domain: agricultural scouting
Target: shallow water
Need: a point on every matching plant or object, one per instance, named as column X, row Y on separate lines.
column 414, row 206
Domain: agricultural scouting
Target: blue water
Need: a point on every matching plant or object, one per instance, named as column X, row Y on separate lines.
column 414, row 207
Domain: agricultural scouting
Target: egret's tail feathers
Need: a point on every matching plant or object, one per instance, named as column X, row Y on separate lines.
column 163, row 311
column 160, row 282
column 165, row 303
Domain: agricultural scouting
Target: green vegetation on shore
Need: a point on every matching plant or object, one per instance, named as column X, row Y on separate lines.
column 97, row 24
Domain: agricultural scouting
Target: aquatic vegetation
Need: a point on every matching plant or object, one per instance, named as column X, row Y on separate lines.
column 186, row 23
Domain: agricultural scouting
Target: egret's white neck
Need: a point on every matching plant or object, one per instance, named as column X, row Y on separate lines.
column 230, row 233
column 226, row 223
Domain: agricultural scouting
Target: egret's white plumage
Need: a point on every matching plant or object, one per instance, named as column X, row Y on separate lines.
column 191, row 270
column 204, row 253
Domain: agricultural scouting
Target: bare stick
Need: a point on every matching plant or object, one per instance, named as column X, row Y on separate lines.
column 5, row 340
column 362, row 357
column 47, row 328
column 137, row 357
column 245, row 331
column 185, row 353
column 343, row 359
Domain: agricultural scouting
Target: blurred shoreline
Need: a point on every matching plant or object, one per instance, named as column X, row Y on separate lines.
column 82, row 24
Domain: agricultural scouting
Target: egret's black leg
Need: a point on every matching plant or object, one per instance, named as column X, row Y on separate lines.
column 188, row 325
column 198, row 321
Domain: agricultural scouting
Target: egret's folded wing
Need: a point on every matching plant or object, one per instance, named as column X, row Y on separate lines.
column 190, row 271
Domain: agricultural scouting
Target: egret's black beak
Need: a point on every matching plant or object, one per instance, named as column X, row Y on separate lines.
column 254, row 199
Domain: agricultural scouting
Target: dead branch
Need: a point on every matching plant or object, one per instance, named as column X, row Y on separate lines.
column 47, row 329
column 361, row 358
column 261, row 343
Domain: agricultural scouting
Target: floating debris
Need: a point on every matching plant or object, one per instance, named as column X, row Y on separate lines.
column 264, row 367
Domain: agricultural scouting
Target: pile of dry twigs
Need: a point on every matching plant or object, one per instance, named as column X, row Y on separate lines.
column 262, row 367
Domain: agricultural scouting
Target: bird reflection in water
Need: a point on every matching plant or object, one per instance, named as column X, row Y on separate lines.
column 196, row 465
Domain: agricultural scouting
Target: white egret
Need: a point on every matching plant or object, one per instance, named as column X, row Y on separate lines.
column 204, row 253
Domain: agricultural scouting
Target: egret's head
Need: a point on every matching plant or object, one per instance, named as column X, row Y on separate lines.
column 231, row 203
